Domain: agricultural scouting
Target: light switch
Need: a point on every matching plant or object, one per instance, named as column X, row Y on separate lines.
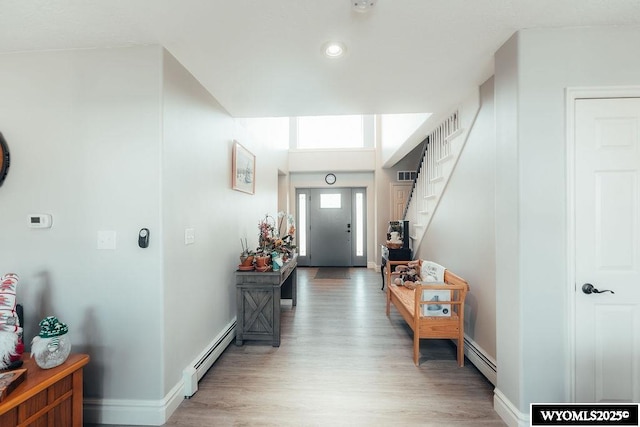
column 189, row 236
column 40, row 220
column 107, row 240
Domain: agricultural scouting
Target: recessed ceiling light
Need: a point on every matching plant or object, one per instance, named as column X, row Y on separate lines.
column 334, row 49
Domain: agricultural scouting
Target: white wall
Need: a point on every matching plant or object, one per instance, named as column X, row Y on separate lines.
column 508, row 313
column 198, row 136
column 461, row 234
column 83, row 129
column 199, row 281
column 532, row 72
column 121, row 139
column 348, row 160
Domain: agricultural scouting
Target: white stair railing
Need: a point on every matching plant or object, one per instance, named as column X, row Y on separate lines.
column 440, row 154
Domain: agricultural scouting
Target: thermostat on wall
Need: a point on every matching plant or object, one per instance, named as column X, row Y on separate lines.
column 40, row 221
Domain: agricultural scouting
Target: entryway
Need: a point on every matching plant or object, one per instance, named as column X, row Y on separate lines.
column 331, row 227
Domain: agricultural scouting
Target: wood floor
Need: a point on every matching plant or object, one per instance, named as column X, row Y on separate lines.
column 341, row 362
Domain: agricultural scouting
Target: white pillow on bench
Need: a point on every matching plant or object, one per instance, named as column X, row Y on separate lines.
column 431, row 272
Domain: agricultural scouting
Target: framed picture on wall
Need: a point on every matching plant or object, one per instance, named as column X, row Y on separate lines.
column 243, row 169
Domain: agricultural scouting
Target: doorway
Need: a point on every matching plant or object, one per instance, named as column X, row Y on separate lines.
column 331, row 227
column 399, row 195
column 604, row 171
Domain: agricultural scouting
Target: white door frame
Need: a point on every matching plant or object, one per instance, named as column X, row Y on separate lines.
column 573, row 94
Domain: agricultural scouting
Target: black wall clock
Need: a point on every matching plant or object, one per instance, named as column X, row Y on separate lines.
column 330, row 179
column 4, row 159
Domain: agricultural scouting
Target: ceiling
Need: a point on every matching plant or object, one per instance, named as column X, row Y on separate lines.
column 262, row 58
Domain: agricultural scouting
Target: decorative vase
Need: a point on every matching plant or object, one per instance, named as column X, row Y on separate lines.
column 52, row 345
column 277, row 261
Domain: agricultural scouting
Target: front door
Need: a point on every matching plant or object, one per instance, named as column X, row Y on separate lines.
column 607, row 250
column 331, row 227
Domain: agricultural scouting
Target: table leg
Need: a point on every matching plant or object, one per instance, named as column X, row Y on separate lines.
column 294, row 287
column 76, row 399
column 276, row 316
column 239, row 316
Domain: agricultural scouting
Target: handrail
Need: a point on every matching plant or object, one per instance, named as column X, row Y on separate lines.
column 439, row 140
column 425, row 143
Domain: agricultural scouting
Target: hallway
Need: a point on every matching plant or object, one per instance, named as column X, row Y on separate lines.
column 341, row 362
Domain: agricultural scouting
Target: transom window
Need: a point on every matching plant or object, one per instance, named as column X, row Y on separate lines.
column 330, row 132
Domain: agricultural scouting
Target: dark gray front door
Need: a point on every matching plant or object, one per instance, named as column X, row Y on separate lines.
column 331, row 227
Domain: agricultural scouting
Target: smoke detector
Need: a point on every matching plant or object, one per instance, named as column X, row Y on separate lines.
column 363, row 6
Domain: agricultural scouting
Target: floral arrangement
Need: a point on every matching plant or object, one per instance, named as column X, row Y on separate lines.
column 275, row 244
column 280, row 239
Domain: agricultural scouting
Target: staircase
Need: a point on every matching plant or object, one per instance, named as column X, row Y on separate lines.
column 441, row 149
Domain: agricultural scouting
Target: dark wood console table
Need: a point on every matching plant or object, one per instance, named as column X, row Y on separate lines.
column 46, row 397
column 401, row 254
column 258, row 298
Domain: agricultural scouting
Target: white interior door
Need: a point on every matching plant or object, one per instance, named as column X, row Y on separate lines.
column 607, row 240
column 399, row 196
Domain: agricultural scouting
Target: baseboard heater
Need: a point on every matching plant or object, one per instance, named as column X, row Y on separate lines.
column 485, row 364
column 196, row 370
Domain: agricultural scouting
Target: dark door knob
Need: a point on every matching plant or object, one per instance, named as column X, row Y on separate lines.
column 588, row 288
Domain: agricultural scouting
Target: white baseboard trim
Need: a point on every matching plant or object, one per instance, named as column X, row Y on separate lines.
column 157, row 412
column 372, row 265
column 481, row 360
column 508, row 412
column 133, row 412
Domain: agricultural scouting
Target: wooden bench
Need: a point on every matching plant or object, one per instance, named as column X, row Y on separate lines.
column 410, row 302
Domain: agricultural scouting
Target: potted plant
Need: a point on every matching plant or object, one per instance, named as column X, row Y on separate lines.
column 247, row 255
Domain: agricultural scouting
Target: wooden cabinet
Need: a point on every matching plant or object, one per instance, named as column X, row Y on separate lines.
column 258, row 298
column 47, row 397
